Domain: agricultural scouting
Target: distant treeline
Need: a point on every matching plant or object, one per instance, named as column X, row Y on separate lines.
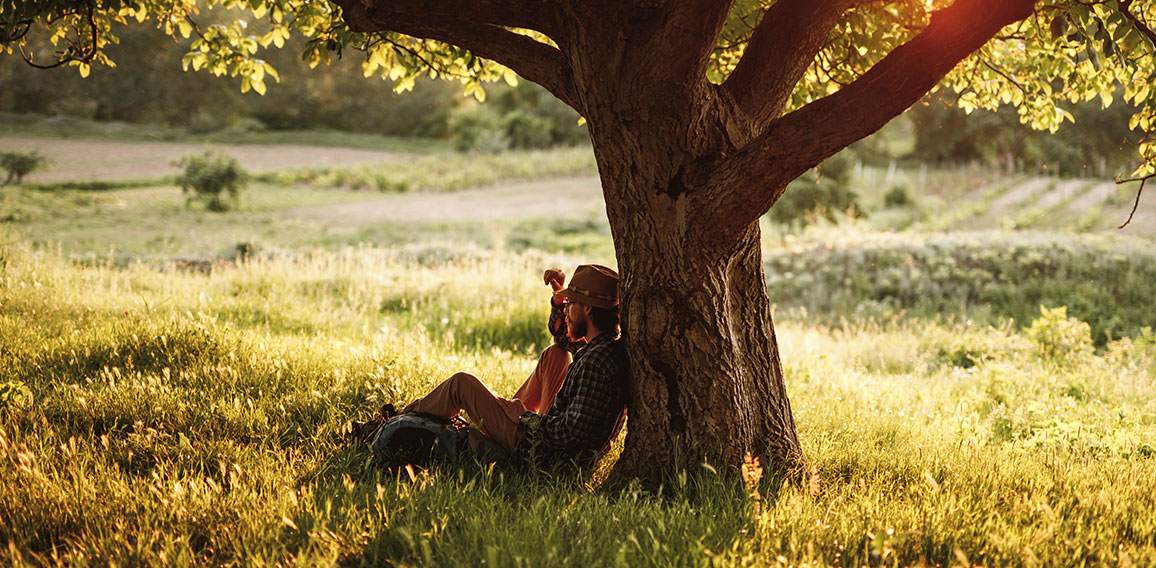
column 1099, row 143
column 149, row 86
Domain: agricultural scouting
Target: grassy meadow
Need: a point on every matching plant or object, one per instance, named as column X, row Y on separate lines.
column 173, row 384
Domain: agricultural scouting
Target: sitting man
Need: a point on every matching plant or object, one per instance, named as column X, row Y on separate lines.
column 578, row 423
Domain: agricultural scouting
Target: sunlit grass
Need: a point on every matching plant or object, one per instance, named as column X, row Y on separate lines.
column 173, row 417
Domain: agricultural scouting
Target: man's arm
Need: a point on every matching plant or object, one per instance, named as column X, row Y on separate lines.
column 556, row 325
column 591, row 412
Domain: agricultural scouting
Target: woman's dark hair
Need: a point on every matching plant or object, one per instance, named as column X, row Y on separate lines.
column 605, row 319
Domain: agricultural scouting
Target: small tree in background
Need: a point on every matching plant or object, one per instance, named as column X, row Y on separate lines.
column 20, row 164
column 214, row 178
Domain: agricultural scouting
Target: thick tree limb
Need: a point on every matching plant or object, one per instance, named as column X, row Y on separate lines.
column 529, row 58
column 757, row 174
column 780, row 49
column 685, row 36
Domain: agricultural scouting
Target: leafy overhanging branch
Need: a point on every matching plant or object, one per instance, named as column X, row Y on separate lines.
column 82, row 54
column 1126, row 10
column 758, row 173
column 534, row 60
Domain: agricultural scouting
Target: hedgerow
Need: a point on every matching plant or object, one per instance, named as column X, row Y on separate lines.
column 1105, row 282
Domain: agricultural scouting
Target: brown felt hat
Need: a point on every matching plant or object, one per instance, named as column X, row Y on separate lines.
column 592, row 284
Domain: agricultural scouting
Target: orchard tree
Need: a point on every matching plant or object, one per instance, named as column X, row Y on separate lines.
column 700, row 113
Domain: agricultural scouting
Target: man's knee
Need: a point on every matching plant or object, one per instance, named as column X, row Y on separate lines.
column 461, row 382
column 461, row 378
column 555, row 356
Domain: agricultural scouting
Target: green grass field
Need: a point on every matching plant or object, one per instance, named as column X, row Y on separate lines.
column 159, row 412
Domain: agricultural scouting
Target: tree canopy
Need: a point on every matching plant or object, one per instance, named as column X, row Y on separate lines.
column 1066, row 50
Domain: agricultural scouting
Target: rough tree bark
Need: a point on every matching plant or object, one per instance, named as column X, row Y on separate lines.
column 687, row 169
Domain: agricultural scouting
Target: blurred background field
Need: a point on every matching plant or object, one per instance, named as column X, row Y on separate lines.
column 968, row 341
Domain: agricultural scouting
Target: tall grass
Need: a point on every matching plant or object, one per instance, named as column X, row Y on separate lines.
column 155, row 416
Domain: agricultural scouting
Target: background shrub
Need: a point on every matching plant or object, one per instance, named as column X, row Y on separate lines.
column 528, row 131
column 213, row 178
column 898, row 196
column 1059, row 337
column 20, row 164
column 477, row 128
column 810, row 197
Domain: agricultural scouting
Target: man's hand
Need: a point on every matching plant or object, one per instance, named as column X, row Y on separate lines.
column 554, row 278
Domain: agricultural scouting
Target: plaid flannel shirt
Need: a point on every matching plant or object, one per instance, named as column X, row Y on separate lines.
column 587, row 411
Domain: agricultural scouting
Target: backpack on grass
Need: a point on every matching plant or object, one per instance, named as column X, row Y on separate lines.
column 423, row 439
column 417, row 439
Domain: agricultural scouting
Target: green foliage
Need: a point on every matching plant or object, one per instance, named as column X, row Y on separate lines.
column 813, row 196
column 1102, row 144
column 477, row 129
column 213, row 178
column 898, row 196
column 14, row 393
column 985, row 276
column 527, row 130
column 1059, row 337
column 494, row 127
column 20, row 164
column 67, row 127
column 1066, row 52
column 528, row 106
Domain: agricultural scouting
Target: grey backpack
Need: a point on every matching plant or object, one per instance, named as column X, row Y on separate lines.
column 422, row 439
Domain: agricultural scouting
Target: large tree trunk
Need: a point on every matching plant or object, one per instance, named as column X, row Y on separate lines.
column 706, row 378
column 687, row 168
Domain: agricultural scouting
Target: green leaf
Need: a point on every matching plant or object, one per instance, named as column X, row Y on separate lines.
column 1093, row 56
column 1059, row 25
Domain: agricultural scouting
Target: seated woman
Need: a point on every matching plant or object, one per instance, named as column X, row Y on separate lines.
column 564, row 410
column 539, row 390
column 541, row 387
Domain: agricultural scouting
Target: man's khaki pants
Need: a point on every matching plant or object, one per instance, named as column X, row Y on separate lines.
column 497, row 416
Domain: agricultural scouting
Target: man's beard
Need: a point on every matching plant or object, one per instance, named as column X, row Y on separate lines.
column 576, row 329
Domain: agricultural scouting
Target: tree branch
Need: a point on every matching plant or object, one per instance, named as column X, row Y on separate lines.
column 73, row 53
column 1143, row 180
column 781, row 48
column 479, row 32
column 1141, row 26
column 756, row 176
column 686, row 34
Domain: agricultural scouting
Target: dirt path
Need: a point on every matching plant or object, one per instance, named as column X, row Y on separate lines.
column 1063, row 191
column 1092, row 197
column 86, row 160
column 1017, row 196
column 565, row 197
